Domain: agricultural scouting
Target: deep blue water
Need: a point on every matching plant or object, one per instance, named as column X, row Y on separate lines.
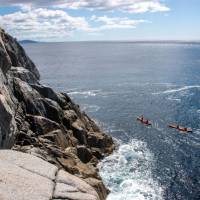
column 116, row 82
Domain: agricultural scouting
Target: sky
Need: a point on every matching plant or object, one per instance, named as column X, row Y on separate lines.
column 101, row 20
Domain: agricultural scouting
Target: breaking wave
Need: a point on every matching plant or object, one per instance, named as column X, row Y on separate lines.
column 85, row 93
column 90, row 108
column 178, row 89
column 128, row 173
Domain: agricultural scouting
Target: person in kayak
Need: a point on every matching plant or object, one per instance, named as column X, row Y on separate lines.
column 142, row 118
column 181, row 129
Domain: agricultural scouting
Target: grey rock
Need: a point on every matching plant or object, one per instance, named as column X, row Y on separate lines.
column 26, row 94
column 18, row 183
column 23, row 74
column 79, row 132
column 67, row 182
column 98, row 186
column 30, row 163
column 26, row 177
column 41, row 125
column 52, row 110
column 17, row 54
column 7, row 122
column 47, row 92
column 101, row 141
column 57, row 137
column 5, row 62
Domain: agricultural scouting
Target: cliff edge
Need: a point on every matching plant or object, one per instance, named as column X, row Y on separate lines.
column 39, row 121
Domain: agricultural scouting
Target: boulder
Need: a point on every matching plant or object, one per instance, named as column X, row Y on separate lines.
column 69, row 164
column 27, row 95
column 79, row 132
column 47, row 92
column 34, row 104
column 84, row 154
column 57, row 137
column 70, row 116
column 101, row 141
column 41, row 125
column 23, row 74
column 51, row 109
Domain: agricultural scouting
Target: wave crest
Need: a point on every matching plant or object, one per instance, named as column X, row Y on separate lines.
column 178, row 89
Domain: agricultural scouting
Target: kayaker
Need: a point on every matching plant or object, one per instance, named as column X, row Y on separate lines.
column 142, row 118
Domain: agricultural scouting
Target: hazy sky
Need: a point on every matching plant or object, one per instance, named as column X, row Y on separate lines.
column 74, row 20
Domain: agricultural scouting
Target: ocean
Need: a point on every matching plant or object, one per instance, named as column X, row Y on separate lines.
column 114, row 82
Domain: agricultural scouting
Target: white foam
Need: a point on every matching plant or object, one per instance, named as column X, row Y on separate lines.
column 85, row 93
column 128, row 173
column 90, row 108
column 198, row 111
column 178, row 89
column 174, row 99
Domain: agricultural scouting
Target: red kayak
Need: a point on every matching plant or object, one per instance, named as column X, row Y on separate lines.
column 180, row 128
column 144, row 121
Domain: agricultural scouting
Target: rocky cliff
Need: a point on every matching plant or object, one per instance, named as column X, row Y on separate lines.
column 37, row 120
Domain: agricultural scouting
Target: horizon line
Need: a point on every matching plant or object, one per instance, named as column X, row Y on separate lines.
column 122, row 41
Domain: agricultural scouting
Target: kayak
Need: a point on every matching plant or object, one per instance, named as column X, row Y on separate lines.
column 180, row 128
column 172, row 126
column 145, row 122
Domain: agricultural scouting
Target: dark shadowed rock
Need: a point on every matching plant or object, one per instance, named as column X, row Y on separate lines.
column 27, row 95
column 84, row 154
column 41, row 125
column 52, row 110
column 101, row 141
column 57, row 137
column 79, row 132
column 5, row 61
column 17, row 54
column 47, row 92
column 7, row 123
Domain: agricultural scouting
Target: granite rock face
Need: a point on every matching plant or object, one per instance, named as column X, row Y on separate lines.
column 24, row 176
column 37, row 120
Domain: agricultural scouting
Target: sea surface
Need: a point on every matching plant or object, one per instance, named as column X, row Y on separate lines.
column 114, row 82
